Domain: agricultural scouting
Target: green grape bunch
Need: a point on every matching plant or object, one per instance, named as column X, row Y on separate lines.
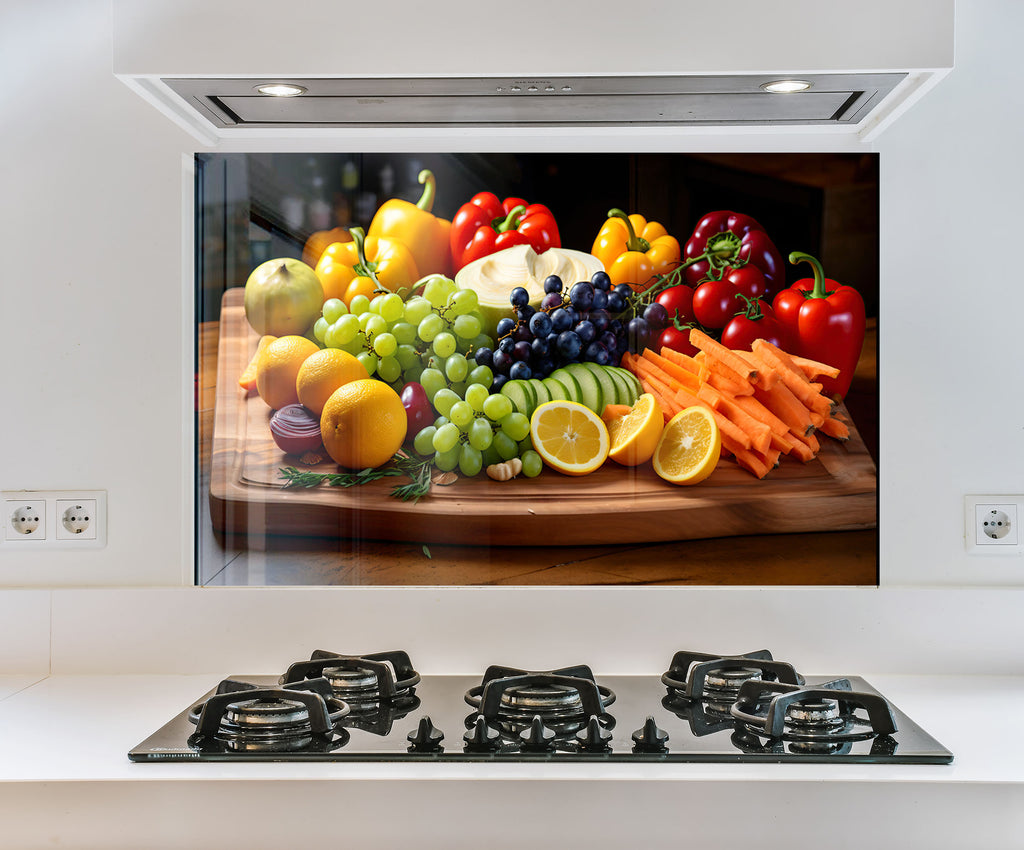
column 431, row 339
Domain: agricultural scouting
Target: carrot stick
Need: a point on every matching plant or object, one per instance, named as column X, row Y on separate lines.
column 700, row 358
column 715, row 350
column 801, row 450
column 778, row 359
column 682, row 375
column 642, row 368
column 811, row 441
column 759, row 433
column 750, row 461
column 661, row 385
column 784, row 443
column 662, row 403
column 781, row 401
column 719, row 367
column 247, row 381
column 614, row 411
column 663, row 394
column 835, row 428
column 727, row 385
column 680, row 359
column 792, row 376
column 814, row 369
column 752, row 406
column 766, row 378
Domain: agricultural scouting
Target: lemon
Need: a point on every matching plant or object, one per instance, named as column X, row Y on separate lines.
column 689, row 447
column 363, row 424
column 634, row 437
column 283, row 297
column 570, row 437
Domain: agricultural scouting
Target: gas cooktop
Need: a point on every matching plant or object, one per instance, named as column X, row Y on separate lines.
column 704, row 708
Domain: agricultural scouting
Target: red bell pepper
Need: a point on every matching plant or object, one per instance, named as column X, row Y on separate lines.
column 484, row 225
column 825, row 322
column 732, row 241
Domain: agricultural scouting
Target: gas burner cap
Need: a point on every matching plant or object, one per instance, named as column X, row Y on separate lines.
column 551, row 700
column 814, row 715
column 267, row 713
column 244, row 716
column 728, row 679
column 828, row 712
column 385, row 677
column 703, row 676
column 563, row 698
column 351, row 681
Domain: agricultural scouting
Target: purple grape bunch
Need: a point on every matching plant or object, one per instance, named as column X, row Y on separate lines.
column 578, row 325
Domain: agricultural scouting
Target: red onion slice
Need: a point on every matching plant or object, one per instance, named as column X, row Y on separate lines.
column 295, row 429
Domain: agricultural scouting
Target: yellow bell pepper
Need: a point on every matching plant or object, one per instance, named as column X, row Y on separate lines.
column 425, row 235
column 635, row 251
column 364, row 266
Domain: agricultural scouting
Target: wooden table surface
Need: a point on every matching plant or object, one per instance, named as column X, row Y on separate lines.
column 828, row 558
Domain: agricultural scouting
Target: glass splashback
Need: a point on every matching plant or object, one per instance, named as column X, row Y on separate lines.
column 787, row 501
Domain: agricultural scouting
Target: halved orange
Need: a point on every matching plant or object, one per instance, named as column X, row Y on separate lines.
column 634, row 436
column 689, row 447
column 569, row 437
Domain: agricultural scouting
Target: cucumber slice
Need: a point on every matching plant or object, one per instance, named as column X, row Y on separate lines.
column 520, row 394
column 572, row 386
column 632, row 380
column 556, row 389
column 623, row 389
column 540, row 392
column 591, row 394
column 609, row 389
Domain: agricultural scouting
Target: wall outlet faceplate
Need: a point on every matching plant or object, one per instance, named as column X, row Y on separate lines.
column 991, row 525
column 53, row 519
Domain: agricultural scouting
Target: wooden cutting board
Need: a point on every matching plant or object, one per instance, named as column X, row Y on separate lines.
column 836, row 491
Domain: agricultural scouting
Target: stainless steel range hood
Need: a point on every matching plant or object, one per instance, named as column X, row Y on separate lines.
column 552, row 101
column 668, row 68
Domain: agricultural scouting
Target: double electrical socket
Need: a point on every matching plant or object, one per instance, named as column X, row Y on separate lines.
column 991, row 525
column 56, row 519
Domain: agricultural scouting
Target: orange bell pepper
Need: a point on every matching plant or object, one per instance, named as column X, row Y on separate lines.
column 318, row 242
column 425, row 235
column 635, row 251
column 364, row 266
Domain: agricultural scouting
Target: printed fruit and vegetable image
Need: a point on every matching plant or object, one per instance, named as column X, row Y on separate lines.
column 482, row 348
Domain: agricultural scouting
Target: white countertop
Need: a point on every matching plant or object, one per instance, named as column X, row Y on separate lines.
column 10, row 685
column 60, row 750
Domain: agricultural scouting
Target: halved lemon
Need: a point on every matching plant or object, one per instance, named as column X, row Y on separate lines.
column 634, row 436
column 689, row 447
column 570, row 437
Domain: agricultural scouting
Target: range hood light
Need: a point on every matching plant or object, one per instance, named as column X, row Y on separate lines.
column 280, row 89
column 786, row 86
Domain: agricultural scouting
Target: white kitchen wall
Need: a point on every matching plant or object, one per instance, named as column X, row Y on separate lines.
column 95, row 368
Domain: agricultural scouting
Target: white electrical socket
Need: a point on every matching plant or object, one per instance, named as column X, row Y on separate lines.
column 54, row 519
column 76, row 519
column 991, row 525
column 24, row 519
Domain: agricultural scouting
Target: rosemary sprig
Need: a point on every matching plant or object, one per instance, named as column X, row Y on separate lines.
column 418, row 470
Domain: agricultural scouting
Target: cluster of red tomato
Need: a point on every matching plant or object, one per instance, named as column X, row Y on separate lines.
column 735, row 290
column 733, row 305
column 732, row 270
